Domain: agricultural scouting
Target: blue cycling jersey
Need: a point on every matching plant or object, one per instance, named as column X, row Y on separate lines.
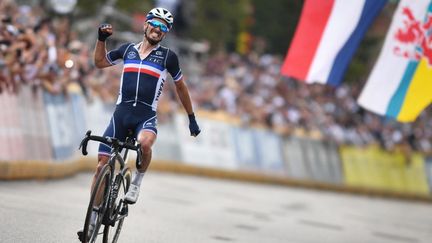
column 141, row 85
column 142, row 80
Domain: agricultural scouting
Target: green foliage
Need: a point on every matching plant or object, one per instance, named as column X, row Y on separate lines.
column 135, row 6
column 370, row 47
column 363, row 59
column 90, row 8
column 276, row 21
column 219, row 22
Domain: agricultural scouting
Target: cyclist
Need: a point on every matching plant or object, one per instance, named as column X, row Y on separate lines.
column 145, row 68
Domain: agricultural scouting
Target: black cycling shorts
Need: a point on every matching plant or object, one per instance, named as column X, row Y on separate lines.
column 128, row 117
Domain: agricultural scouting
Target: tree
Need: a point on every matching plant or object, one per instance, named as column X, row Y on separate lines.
column 219, row 22
column 275, row 21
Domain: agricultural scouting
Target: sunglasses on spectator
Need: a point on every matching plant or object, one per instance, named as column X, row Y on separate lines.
column 157, row 24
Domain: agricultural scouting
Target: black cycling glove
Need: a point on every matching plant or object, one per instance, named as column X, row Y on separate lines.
column 103, row 35
column 193, row 126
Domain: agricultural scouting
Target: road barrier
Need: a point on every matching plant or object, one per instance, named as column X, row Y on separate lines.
column 36, row 126
column 24, row 132
column 428, row 171
column 370, row 167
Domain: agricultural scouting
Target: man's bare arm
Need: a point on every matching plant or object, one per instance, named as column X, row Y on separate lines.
column 100, row 55
column 104, row 31
column 183, row 93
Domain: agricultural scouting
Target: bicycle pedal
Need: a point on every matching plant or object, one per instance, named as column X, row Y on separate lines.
column 80, row 235
column 124, row 210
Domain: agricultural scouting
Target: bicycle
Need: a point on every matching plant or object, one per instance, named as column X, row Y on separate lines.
column 112, row 209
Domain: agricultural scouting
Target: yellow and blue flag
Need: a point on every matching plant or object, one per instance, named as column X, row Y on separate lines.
column 400, row 84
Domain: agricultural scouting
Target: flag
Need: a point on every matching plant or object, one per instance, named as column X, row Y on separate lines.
column 328, row 33
column 400, row 84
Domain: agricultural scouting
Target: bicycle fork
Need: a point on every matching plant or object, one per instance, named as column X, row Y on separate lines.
column 115, row 212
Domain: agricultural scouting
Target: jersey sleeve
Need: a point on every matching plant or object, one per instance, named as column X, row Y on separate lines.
column 173, row 67
column 116, row 56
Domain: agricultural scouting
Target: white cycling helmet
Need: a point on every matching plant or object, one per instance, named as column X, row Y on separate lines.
column 161, row 13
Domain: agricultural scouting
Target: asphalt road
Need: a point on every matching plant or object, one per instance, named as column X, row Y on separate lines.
column 186, row 209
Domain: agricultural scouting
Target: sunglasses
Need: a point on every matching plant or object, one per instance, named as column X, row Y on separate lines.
column 157, row 24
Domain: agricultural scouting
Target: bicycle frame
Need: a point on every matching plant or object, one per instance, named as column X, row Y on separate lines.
column 113, row 211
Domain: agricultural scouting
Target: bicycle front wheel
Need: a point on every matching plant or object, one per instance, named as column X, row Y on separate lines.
column 112, row 232
column 98, row 204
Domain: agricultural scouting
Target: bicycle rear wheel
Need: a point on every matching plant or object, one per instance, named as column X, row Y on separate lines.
column 112, row 232
column 102, row 185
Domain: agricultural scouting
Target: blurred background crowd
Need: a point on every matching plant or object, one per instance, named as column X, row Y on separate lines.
column 51, row 52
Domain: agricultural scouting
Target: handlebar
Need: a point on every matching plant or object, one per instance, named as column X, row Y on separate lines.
column 114, row 142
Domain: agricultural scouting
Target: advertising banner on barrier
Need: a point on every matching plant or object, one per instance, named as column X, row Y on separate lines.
column 61, row 125
column 295, row 161
column 98, row 115
column 245, row 146
column 269, row 151
column 24, row 132
column 11, row 135
column 34, row 124
column 167, row 146
column 312, row 160
column 214, row 147
column 323, row 163
column 415, row 176
column 428, row 170
column 333, row 161
column 78, row 104
column 374, row 168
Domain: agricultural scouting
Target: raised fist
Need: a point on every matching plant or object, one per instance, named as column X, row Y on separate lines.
column 104, row 31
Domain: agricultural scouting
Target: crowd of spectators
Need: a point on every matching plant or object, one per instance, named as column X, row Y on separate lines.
column 47, row 55
column 253, row 88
